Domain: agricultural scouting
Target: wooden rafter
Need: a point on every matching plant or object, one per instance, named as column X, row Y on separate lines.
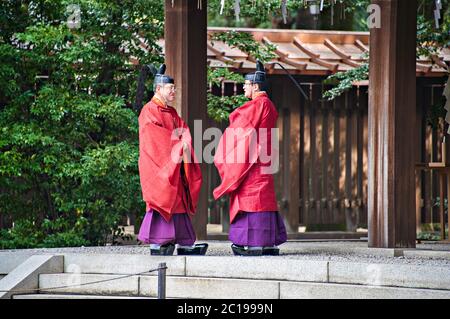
column 220, row 55
column 315, row 57
column 423, row 67
column 361, row 45
column 347, row 59
column 283, row 56
column 439, row 62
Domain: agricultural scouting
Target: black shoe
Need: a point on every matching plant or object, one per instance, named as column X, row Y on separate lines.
column 164, row 250
column 242, row 251
column 198, row 249
column 271, row 251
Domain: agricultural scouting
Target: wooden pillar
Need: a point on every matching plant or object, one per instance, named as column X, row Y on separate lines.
column 185, row 56
column 392, row 102
column 291, row 167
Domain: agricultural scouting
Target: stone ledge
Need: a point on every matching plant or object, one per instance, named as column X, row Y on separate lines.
column 10, row 260
column 211, row 288
column 122, row 264
column 390, row 275
column 297, row 290
column 26, row 275
column 427, row 254
column 269, row 268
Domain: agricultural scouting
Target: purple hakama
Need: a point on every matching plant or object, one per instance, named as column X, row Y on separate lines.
column 262, row 229
column 155, row 230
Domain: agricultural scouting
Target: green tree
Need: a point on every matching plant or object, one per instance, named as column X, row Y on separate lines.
column 68, row 130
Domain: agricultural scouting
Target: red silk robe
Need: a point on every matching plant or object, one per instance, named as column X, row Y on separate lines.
column 169, row 172
column 250, row 189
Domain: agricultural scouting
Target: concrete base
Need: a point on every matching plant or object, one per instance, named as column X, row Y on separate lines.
column 303, row 270
column 78, row 284
column 290, row 290
column 24, row 278
column 225, row 288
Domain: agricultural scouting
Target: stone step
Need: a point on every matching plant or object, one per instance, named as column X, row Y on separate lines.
column 69, row 296
column 300, row 290
column 10, row 260
column 223, row 288
column 122, row 264
column 393, row 275
column 177, row 287
column 267, row 268
column 25, row 277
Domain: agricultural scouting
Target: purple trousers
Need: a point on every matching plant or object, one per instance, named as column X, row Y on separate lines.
column 155, row 230
column 264, row 229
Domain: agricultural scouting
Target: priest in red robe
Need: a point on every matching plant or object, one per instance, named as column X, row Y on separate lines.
column 244, row 160
column 169, row 173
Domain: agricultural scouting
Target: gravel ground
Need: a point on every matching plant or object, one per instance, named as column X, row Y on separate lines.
column 327, row 251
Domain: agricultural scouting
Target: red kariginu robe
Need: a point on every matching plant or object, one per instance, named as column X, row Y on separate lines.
column 164, row 187
column 250, row 188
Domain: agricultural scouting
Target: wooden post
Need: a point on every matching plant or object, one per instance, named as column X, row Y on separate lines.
column 419, row 157
column 442, row 176
column 185, row 56
column 392, row 100
column 448, row 213
column 293, row 216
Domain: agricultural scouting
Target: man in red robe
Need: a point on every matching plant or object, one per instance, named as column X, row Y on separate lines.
column 169, row 173
column 244, row 159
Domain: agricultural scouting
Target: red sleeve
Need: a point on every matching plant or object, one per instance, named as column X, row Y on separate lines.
column 238, row 149
column 158, row 171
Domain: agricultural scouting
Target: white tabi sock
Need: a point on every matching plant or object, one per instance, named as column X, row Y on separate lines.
column 253, row 247
column 185, row 247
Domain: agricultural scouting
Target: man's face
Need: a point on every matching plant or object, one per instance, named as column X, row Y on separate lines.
column 248, row 89
column 167, row 91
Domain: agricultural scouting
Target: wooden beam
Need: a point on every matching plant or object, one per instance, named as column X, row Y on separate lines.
column 361, row 45
column 347, row 59
column 283, row 56
column 220, row 55
column 293, row 165
column 392, row 92
column 185, row 48
column 333, row 67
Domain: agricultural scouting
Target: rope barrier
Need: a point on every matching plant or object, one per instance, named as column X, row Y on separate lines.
column 86, row 283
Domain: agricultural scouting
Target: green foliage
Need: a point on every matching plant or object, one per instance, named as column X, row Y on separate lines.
column 267, row 13
column 252, row 12
column 216, row 76
column 430, row 41
column 68, row 133
column 27, row 234
column 220, row 107
column 245, row 42
column 343, row 81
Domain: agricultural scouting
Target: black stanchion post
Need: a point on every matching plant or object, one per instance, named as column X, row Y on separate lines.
column 162, row 281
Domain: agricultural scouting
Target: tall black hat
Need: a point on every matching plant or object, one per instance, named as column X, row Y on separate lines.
column 161, row 78
column 259, row 76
